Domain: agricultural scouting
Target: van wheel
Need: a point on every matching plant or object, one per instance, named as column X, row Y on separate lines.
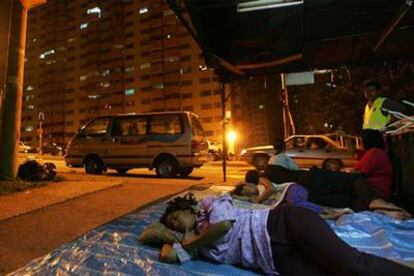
column 260, row 162
column 122, row 171
column 93, row 165
column 332, row 165
column 186, row 171
column 166, row 167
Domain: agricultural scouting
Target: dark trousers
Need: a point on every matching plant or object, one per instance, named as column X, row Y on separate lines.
column 303, row 244
column 328, row 188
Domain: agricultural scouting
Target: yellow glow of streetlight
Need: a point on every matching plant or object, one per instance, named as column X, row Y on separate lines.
column 231, row 136
column 28, row 4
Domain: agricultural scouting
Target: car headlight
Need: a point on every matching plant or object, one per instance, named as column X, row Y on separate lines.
column 243, row 152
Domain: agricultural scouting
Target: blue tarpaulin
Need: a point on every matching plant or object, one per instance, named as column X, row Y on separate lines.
column 114, row 247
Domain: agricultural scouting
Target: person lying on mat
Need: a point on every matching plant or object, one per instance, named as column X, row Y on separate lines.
column 291, row 193
column 286, row 239
column 369, row 189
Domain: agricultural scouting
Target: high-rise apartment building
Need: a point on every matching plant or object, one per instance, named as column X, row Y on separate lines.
column 87, row 58
column 257, row 111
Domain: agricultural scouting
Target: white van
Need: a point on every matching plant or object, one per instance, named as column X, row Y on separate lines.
column 171, row 142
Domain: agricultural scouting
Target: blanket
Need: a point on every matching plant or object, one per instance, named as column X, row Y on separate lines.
column 113, row 248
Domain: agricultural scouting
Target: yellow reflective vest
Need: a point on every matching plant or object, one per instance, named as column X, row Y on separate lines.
column 373, row 117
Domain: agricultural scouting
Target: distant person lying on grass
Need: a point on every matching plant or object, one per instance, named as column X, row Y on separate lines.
column 286, row 239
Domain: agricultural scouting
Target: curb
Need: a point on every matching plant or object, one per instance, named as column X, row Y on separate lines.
column 230, row 164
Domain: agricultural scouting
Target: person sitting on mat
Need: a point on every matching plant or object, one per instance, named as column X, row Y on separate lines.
column 286, row 239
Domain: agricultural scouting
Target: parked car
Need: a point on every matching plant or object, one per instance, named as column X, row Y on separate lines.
column 53, row 149
column 26, row 148
column 171, row 142
column 327, row 151
column 215, row 151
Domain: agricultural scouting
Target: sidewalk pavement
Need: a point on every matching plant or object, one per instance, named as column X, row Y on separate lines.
column 55, row 192
column 36, row 221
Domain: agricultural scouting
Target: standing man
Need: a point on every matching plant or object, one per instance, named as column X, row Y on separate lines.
column 375, row 117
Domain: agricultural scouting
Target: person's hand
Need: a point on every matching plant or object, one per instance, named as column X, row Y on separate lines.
column 188, row 237
column 168, row 254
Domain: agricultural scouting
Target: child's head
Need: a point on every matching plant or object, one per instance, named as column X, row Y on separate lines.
column 245, row 189
column 180, row 215
column 279, row 146
column 252, row 176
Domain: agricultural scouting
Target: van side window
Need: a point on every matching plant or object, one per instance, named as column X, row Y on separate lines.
column 130, row 126
column 196, row 126
column 98, row 127
column 166, row 125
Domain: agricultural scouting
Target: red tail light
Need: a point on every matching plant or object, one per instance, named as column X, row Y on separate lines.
column 198, row 145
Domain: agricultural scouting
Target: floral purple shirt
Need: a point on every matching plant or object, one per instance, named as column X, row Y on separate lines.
column 247, row 243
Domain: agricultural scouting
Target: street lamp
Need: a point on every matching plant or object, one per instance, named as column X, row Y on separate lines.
column 231, row 138
column 10, row 134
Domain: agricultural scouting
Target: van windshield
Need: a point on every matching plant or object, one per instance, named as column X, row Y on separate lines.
column 196, row 126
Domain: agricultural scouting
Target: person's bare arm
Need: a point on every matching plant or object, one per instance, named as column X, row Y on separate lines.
column 212, row 234
column 269, row 190
column 244, row 198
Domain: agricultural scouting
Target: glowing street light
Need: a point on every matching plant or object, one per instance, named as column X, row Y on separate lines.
column 231, row 136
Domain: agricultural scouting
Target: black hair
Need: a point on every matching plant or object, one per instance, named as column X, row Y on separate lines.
column 372, row 138
column 252, row 176
column 186, row 202
column 279, row 145
column 238, row 189
column 373, row 83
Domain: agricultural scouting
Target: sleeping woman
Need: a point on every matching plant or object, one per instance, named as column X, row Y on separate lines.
column 286, row 239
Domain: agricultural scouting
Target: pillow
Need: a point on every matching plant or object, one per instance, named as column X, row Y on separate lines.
column 158, row 234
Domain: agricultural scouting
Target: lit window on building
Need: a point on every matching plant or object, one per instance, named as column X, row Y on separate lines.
column 84, row 26
column 47, row 53
column 185, row 70
column 95, row 96
column 129, row 92
column 129, row 69
column 145, row 65
column 29, row 128
column 105, row 84
column 159, row 86
column 106, row 72
column 202, row 67
column 168, row 12
column 30, row 107
column 171, row 59
column 143, row 10
column 95, row 11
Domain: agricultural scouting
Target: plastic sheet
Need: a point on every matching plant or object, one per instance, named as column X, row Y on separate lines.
column 114, row 248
